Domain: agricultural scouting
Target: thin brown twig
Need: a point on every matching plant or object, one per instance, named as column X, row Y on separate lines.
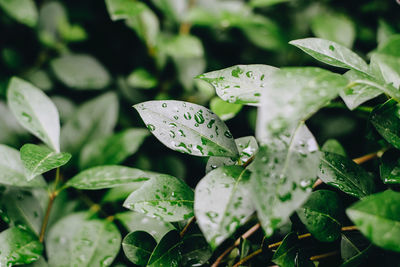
column 46, row 216
column 277, row 244
column 322, row 256
column 246, row 235
column 186, row 228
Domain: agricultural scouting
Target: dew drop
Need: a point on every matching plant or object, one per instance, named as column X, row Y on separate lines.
column 164, row 105
column 187, row 116
column 151, row 127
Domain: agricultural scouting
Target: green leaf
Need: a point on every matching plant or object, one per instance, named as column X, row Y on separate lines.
column 22, row 209
column 266, row 3
column 107, row 176
column 94, row 119
column 12, row 171
column 331, row 53
column 146, row 25
column 293, row 94
column 384, row 32
column 23, row 11
column 378, row 218
column 387, row 67
column 167, row 252
column 124, row 9
column 333, row 146
column 240, row 84
column 386, row 120
column 334, row 27
column 344, row 174
column 18, row 247
column 76, row 241
column 223, row 109
column 113, row 149
column 391, row 46
column 142, row 79
column 38, row 160
column 321, row 214
column 163, row 196
column 188, row 128
column 286, row 253
column 120, row 193
column 223, row 203
column 390, row 167
column 353, row 96
column 134, row 221
column 34, row 111
column 247, row 147
column 283, row 174
column 352, row 250
column 80, row 71
column 195, row 250
column 138, row 247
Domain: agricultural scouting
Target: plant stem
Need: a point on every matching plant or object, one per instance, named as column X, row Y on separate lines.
column 186, row 228
column 47, row 216
column 246, row 235
column 247, row 163
column 277, row 244
column 322, row 256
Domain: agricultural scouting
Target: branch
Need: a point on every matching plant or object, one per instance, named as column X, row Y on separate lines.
column 186, row 228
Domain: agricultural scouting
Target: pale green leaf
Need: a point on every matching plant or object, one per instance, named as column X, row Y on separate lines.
column 124, row 9
column 241, row 84
column 113, row 149
column 188, row 128
column 94, row 119
column 283, row 174
column 34, row 111
column 163, row 196
column 224, row 110
column 331, row 53
column 38, row 160
column 378, row 218
column 142, row 79
column 247, row 147
column 12, row 171
column 223, row 203
column 107, row 176
column 294, row 94
column 19, row 247
column 80, row 71
column 24, row 11
column 146, row 25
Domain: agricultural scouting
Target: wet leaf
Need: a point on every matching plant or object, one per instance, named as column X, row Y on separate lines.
column 387, row 67
column 386, row 120
column 223, row 203
column 390, row 167
column 120, row 193
column 358, row 94
column 93, row 119
column 293, row 94
column 286, row 253
column 77, row 241
column 80, row 71
column 12, row 171
column 321, row 214
column 354, row 249
column 34, row 111
column 163, row 196
column 247, row 147
column 113, row 149
column 38, row 160
column 240, row 84
column 283, row 174
column 378, row 218
column 188, row 128
column 167, row 252
column 21, row 208
column 195, row 250
column 344, row 174
column 331, row 53
column 138, row 247
column 333, row 146
column 24, row 11
column 107, row 176
column 18, row 247
column 134, row 221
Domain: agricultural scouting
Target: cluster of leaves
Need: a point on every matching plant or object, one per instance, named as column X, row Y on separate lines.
column 67, row 198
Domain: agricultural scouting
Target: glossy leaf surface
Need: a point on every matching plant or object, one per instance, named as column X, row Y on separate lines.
column 138, row 247
column 188, row 128
column 386, row 120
